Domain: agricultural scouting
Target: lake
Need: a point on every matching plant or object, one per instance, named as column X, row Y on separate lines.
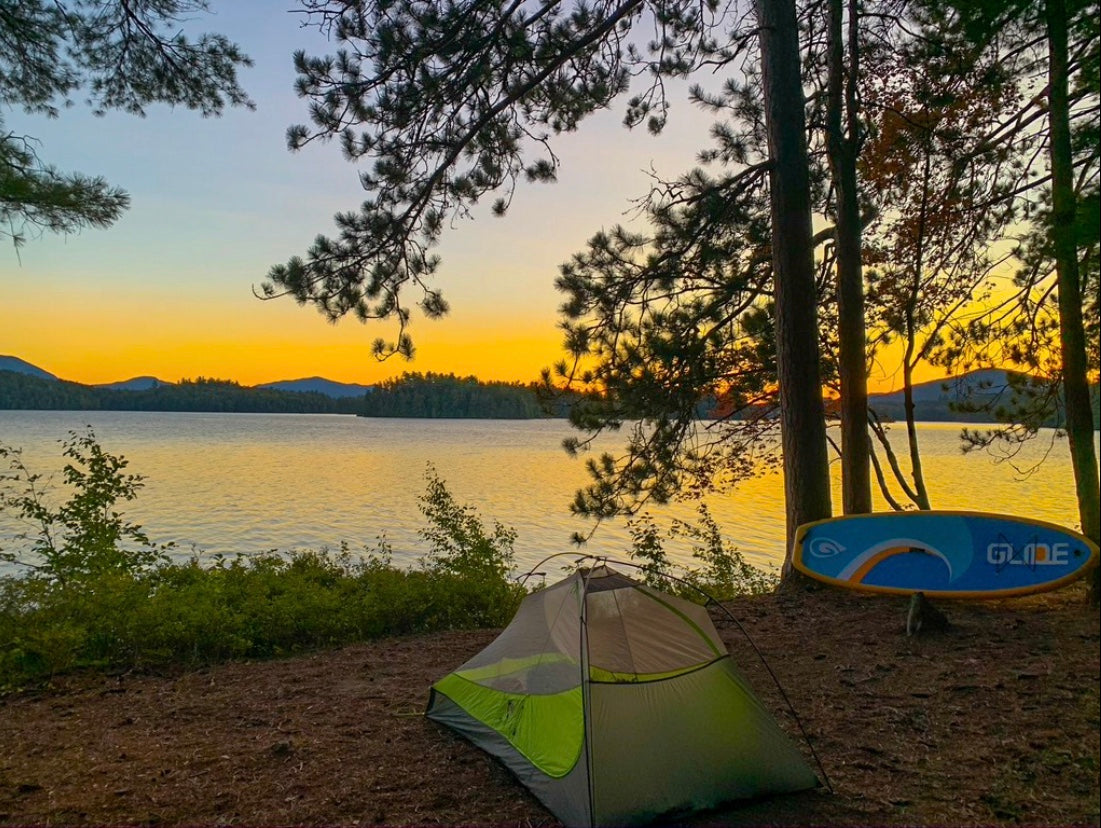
column 248, row 483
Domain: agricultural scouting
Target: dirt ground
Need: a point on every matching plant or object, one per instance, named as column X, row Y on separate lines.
column 994, row 721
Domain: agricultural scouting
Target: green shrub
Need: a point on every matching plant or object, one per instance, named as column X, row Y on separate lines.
column 460, row 543
column 85, row 536
column 722, row 573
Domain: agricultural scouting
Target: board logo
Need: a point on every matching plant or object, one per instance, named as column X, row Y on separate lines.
column 1036, row 553
column 825, row 548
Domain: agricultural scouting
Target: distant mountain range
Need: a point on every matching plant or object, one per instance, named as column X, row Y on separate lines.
column 309, row 385
column 973, row 397
column 320, row 385
column 135, row 384
column 938, row 397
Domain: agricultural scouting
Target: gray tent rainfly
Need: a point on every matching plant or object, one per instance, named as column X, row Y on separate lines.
column 616, row 704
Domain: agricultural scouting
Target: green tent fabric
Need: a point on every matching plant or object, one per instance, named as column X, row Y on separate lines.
column 617, row 704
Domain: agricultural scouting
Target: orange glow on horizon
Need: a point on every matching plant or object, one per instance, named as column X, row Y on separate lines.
column 93, row 340
column 102, row 347
column 94, row 336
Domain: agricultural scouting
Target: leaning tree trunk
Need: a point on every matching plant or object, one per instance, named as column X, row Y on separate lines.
column 1072, row 335
column 843, row 138
column 802, row 414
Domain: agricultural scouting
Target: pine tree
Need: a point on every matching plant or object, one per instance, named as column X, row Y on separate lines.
column 121, row 56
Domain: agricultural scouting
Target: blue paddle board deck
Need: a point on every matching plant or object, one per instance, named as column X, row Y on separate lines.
column 943, row 554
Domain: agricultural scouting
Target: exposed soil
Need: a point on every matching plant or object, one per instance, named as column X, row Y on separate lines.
column 994, row 721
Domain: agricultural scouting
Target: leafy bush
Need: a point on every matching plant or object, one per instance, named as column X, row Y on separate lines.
column 460, row 544
column 723, row 572
column 85, row 536
column 648, row 548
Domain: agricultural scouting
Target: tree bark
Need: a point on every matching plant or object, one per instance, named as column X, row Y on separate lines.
column 802, row 414
column 1072, row 335
column 842, row 142
column 909, row 360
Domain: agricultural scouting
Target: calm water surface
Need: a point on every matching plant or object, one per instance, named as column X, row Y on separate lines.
column 229, row 483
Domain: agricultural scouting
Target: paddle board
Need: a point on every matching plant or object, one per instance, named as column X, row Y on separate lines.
column 943, row 554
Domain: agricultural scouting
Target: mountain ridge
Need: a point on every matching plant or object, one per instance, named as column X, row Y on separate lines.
column 21, row 366
column 143, row 383
column 319, row 385
column 954, row 387
column 928, row 391
column 307, row 385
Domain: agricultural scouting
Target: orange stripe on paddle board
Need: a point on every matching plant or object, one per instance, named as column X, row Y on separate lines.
column 870, row 564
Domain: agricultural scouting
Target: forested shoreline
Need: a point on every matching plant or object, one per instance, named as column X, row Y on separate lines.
column 429, row 396
column 446, row 396
column 414, row 395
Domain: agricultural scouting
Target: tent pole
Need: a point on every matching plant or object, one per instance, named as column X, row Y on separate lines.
column 586, row 713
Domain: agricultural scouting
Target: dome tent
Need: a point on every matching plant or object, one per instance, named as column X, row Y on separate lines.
column 616, row 704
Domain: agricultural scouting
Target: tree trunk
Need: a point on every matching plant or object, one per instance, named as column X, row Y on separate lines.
column 802, row 414
column 918, row 493
column 856, row 482
column 921, row 494
column 1072, row 336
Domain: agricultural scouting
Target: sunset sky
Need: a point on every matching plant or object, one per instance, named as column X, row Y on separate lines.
column 167, row 290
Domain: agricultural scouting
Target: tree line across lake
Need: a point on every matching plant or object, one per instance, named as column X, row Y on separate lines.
column 412, row 395
column 428, row 396
column 448, row 396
